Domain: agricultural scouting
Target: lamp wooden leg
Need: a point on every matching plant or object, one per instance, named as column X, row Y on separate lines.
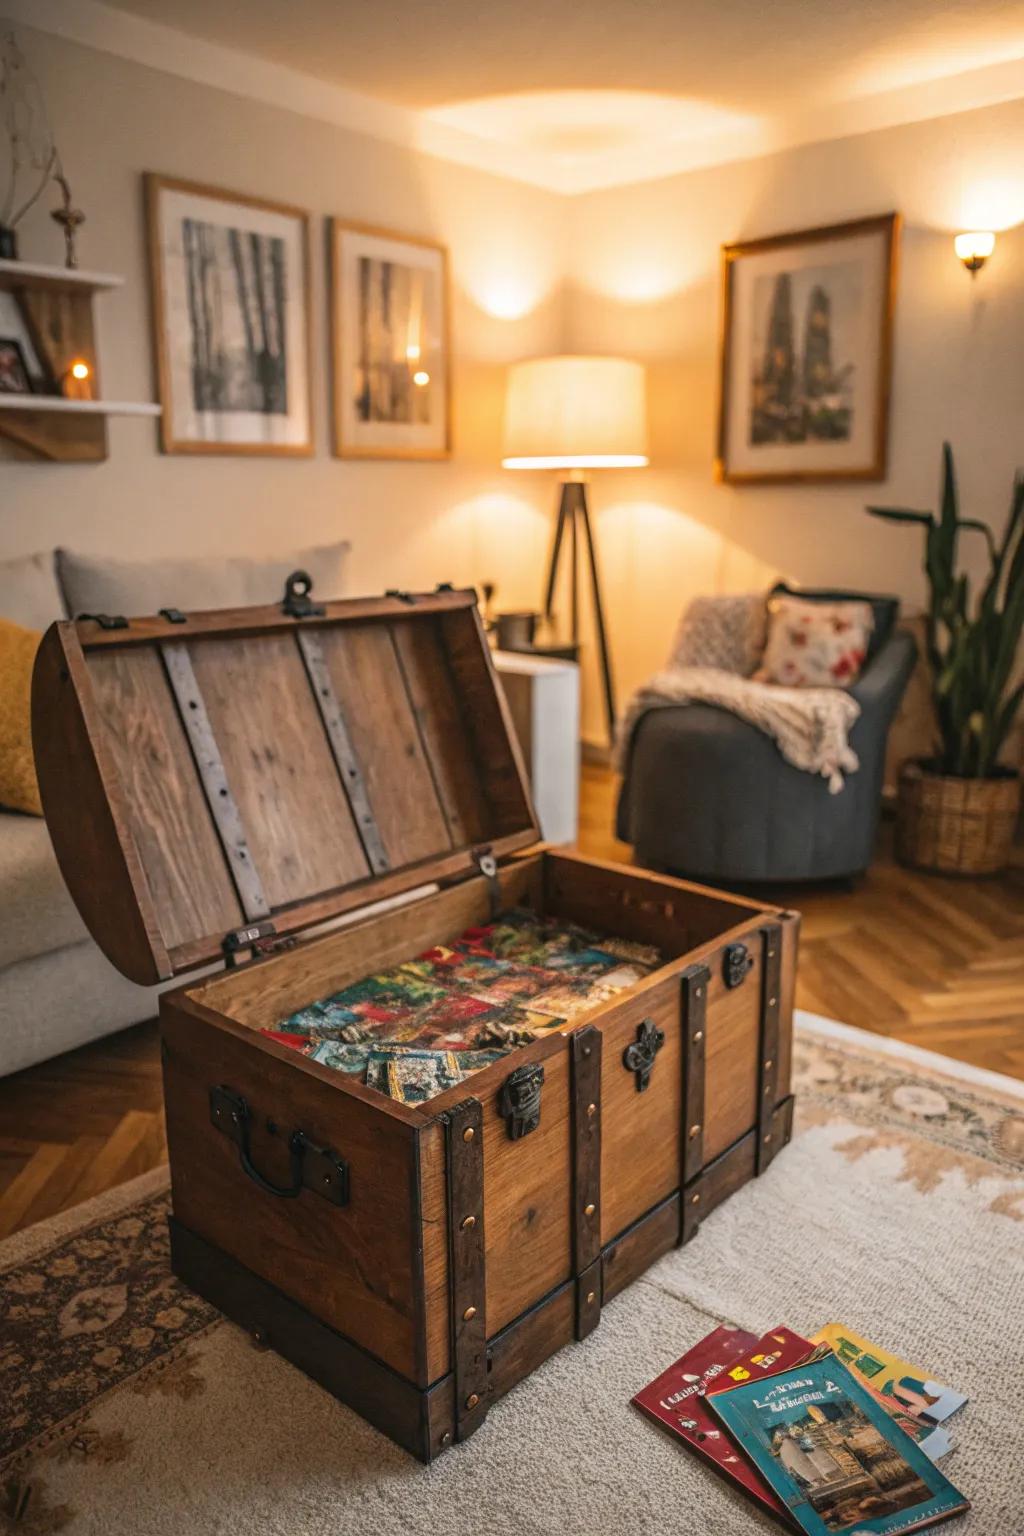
column 602, row 637
column 556, row 549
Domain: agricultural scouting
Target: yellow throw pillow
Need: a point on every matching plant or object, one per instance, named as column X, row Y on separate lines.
column 19, row 790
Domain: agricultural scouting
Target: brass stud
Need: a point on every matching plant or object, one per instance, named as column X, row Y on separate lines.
column 772, row 1001
column 767, row 1088
column 767, row 1139
column 695, row 1199
column 591, row 1298
column 591, row 1110
column 699, row 992
column 472, row 1400
column 771, row 954
column 468, row 1223
column 446, row 1438
column 698, row 1037
column 769, row 1064
column 588, row 1210
column 694, row 1131
column 586, row 1050
column 468, row 1133
column 470, row 1312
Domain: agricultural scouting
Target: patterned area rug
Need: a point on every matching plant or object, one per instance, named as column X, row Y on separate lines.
column 128, row 1406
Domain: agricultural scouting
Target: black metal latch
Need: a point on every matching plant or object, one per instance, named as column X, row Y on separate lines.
column 319, row 1169
column 639, row 1057
column 106, row 620
column 298, row 604
column 736, row 965
column 519, row 1100
column 487, row 864
column 258, row 938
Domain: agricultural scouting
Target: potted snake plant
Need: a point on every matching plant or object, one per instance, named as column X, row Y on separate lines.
column 957, row 810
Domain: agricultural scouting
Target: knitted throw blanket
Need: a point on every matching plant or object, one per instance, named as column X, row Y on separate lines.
column 719, row 642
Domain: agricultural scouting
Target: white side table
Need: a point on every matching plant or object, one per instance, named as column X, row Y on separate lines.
column 544, row 700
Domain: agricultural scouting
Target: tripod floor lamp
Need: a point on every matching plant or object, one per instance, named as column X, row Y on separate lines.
column 575, row 414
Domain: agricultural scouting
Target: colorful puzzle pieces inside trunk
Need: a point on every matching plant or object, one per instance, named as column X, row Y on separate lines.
column 419, row 1028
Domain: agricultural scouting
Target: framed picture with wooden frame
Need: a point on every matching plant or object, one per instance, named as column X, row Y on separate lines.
column 806, row 354
column 230, row 282
column 390, row 344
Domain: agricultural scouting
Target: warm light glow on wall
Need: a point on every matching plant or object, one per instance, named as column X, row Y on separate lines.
column 421, row 378
column 992, row 203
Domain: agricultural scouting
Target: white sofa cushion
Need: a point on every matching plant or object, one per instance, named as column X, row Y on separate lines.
column 134, row 587
column 38, row 915
column 29, row 594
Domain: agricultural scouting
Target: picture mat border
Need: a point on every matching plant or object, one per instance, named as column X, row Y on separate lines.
column 336, row 228
column 887, row 224
column 154, row 183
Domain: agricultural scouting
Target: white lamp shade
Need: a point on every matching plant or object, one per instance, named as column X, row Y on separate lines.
column 575, row 413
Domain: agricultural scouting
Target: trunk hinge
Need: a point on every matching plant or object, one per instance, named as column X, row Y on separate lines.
column 487, row 864
column 259, row 938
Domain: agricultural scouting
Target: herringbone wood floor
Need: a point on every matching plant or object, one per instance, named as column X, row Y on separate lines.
column 934, row 961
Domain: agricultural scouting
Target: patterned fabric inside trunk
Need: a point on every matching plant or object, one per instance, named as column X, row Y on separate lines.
column 417, row 1029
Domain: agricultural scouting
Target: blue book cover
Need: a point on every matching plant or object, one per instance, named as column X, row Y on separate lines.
column 833, row 1455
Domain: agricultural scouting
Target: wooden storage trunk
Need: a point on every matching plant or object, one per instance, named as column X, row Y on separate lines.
column 217, row 787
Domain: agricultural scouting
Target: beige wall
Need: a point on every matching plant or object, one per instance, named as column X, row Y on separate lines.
column 645, row 282
column 631, row 271
column 410, row 524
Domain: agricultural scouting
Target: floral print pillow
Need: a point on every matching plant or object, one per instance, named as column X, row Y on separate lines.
column 815, row 645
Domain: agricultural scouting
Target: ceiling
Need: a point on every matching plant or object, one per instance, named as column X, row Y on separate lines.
column 623, row 89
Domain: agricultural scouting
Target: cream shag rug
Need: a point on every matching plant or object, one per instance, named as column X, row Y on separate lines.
column 128, row 1408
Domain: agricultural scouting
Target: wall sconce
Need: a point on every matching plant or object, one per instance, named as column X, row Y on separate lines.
column 975, row 248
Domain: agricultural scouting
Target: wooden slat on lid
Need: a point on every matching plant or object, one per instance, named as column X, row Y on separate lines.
column 170, row 823
column 365, row 671
column 207, row 743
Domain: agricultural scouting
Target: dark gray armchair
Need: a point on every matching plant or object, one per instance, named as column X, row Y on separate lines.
column 708, row 796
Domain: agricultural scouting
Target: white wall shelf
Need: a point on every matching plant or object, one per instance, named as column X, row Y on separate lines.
column 37, row 274
column 78, row 407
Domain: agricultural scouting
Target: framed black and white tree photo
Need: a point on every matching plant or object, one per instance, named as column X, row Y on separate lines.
column 807, row 353
column 231, row 314
column 389, row 341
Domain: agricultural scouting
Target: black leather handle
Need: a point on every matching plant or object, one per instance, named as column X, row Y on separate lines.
column 312, row 1167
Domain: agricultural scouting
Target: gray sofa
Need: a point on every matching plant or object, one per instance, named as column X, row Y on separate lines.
column 708, row 796
column 57, row 990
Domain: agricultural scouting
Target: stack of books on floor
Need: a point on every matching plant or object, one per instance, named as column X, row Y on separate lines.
column 829, row 1434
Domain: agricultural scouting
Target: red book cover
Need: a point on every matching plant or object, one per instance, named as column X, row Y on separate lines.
column 726, row 1358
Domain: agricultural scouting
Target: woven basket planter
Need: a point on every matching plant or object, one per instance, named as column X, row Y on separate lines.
column 957, row 826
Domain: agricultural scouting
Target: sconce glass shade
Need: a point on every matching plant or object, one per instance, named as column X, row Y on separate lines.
column 575, row 413
column 974, row 248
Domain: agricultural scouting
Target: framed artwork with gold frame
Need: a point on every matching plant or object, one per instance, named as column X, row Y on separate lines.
column 232, row 322
column 390, row 352
column 806, row 354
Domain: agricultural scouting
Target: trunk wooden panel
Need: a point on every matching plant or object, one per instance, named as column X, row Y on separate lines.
column 440, row 719
column 640, row 1153
column 363, row 665
column 528, row 1191
column 790, row 958
column 355, row 1267
column 279, row 766
column 170, row 821
column 733, row 1041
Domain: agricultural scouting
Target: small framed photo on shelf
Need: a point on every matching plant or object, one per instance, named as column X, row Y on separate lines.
column 807, row 354
column 14, row 379
column 389, row 344
column 231, row 314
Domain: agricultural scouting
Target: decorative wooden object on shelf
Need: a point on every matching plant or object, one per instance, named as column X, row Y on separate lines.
column 217, row 785
column 57, row 306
